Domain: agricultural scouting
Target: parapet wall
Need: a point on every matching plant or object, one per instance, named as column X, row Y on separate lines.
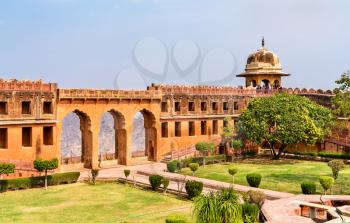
column 26, row 85
column 109, row 94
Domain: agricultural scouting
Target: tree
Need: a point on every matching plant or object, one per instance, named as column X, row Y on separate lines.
column 7, row 168
column 45, row 165
column 283, row 120
column 341, row 100
column 336, row 166
column 326, row 183
column 126, row 173
column 193, row 167
column 205, row 148
column 237, row 144
column 232, row 171
column 94, row 174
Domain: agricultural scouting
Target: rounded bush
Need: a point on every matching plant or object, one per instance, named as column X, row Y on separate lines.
column 172, row 166
column 326, row 182
column 126, row 173
column 176, row 218
column 308, row 188
column 165, row 183
column 193, row 188
column 193, row 166
column 254, row 179
column 232, row 171
column 155, row 181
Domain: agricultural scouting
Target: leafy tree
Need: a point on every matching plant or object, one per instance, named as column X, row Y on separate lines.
column 7, row 168
column 283, row 120
column 232, row 171
column 193, row 167
column 205, row 148
column 336, row 166
column 45, row 165
column 165, row 183
column 326, row 183
column 341, row 100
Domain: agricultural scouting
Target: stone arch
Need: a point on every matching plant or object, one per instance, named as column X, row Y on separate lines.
column 86, row 140
column 253, row 83
column 118, row 152
column 265, row 83
column 150, row 142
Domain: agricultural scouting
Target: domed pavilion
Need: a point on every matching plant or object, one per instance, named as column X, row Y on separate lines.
column 263, row 69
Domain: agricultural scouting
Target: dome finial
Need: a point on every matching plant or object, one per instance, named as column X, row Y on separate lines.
column 263, row 42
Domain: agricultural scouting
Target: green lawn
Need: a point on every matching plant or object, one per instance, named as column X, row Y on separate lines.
column 106, row 203
column 280, row 175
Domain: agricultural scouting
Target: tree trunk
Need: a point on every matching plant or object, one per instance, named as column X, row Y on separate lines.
column 280, row 151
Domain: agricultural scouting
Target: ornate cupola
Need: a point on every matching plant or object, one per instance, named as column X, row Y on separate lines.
column 263, row 69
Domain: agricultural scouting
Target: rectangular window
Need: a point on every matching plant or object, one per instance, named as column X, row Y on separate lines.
column 177, row 129
column 3, row 138
column 191, row 128
column 235, row 105
column 27, row 136
column 164, row 129
column 3, row 108
column 26, row 108
column 47, row 107
column 214, row 106
column 203, row 106
column 203, row 127
column 177, row 106
column 191, row 106
column 225, row 106
column 215, row 127
column 164, row 107
column 48, row 135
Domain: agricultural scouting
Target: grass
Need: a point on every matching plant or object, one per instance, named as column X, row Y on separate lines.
column 279, row 175
column 105, row 203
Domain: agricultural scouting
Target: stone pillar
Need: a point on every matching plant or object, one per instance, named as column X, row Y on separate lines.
column 95, row 127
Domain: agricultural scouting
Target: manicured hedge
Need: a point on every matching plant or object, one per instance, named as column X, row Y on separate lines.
column 254, row 179
column 308, row 188
column 193, row 188
column 334, row 155
column 208, row 159
column 31, row 182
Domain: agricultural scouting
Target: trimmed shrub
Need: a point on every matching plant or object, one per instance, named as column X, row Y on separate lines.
column 155, row 181
column 193, row 188
column 45, row 165
column 336, row 166
column 176, row 218
column 250, row 213
column 232, row 171
column 165, row 183
column 94, row 174
column 326, row 183
column 172, row 166
column 32, row 182
column 334, row 155
column 256, row 197
column 254, row 179
column 7, row 168
column 126, row 173
column 193, row 167
column 308, row 188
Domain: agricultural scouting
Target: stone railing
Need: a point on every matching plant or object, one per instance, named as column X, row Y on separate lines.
column 108, row 94
column 26, row 85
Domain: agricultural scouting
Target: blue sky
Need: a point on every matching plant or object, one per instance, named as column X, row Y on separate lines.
column 90, row 43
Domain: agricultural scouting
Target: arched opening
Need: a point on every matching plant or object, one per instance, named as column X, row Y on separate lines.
column 112, row 137
column 144, row 136
column 265, row 84
column 276, row 84
column 253, row 83
column 76, row 139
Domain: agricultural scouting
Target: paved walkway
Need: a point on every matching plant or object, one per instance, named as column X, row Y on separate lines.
column 140, row 174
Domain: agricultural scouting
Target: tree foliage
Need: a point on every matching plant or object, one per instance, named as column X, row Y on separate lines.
column 283, row 120
column 336, row 166
column 45, row 165
column 341, row 101
column 205, row 147
column 326, row 183
column 7, row 168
